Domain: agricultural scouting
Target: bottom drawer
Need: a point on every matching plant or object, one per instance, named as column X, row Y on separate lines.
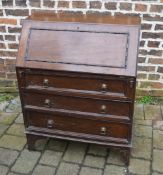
column 108, row 130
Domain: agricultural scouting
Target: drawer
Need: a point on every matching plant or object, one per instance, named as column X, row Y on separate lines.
column 113, row 86
column 78, row 125
column 105, row 107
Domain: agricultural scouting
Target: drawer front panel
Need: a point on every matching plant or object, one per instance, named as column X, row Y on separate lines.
column 78, row 104
column 64, row 123
column 117, row 87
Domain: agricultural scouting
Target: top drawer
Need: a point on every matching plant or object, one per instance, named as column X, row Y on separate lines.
column 110, row 85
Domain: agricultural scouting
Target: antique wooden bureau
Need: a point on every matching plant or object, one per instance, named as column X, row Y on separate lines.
column 77, row 77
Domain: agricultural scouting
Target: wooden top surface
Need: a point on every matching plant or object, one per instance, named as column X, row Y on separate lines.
column 85, row 44
column 90, row 18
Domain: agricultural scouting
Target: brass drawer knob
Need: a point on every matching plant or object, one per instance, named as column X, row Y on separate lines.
column 50, row 123
column 103, row 109
column 103, row 130
column 45, row 82
column 47, row 102
column 103, row 87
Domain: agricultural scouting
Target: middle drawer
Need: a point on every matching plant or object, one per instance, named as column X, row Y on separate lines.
column 118, row 108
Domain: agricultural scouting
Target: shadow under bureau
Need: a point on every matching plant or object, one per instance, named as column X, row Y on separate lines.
column 77, row 78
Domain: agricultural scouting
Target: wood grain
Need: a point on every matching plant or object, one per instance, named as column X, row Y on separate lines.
column 77, row 78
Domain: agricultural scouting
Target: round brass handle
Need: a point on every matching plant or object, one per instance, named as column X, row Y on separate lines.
column 45, row 82
column 50, row 123
column 103, row 130
column 103, row 87
column 103, row 109
column 47, row 102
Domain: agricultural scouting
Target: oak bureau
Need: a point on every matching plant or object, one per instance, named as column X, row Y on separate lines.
column 77, row 77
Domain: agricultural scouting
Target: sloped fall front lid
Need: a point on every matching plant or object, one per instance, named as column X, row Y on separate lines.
column 91, row 44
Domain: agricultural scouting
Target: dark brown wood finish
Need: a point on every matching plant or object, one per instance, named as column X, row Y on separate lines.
column 111, row 86
column 78, row 104
column 114, row 47
column 119, row 62
column 77, row 77
column 81, row 125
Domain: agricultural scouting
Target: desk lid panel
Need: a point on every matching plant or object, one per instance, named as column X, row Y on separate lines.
column 79, row 47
